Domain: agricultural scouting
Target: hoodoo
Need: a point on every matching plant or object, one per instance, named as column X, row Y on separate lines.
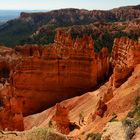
column 93, row 110
column 125, row 56
column 59, row 71
column 49, row 74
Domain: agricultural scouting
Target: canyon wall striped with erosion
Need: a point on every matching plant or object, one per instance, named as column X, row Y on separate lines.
column 62, row 70
column 93, row 110
column 42, row 76
column 38, row 77
column 125, row 56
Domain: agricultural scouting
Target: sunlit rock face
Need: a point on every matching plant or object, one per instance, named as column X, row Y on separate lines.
column 125, row 56
column 11, row 117
column 46, row 75
column 93, row 110
column 10, row 111
column 41, row 76
column 67, row 68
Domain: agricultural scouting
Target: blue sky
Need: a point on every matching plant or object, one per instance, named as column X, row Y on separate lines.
column 57, row 4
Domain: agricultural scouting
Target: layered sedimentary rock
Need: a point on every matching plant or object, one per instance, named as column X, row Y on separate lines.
column 90, row 114
column 125, row 56
column 67, row 68
column 10, row 111
column 8, row 60
column 46, row 75
column 60, row 120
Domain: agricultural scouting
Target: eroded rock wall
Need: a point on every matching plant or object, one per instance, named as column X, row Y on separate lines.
column 11, row 117
column 59, row 71
column 125, row 56
column 108, row 103
column 46, row 75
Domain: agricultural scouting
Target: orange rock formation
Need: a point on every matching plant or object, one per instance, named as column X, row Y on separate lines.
column 67, row 68
column 125, row 56
column 60, row 120
column 10, row 112
column 62, row 70
column 49, row 74
column 97, row 107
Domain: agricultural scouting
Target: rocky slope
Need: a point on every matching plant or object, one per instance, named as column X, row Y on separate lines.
column 68, row 67
column 83, row 116
column 47, row 75
column 38, row 73
column 103, row 33
column 18, row 31
column 91, row 106
column 89, row 113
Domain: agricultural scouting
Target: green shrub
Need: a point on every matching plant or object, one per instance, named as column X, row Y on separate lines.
column 132, row 121
column 132, row 125
column 114, row 116
column 44, row 134
column 135, row 113
column 137, row 100
column 94, row 136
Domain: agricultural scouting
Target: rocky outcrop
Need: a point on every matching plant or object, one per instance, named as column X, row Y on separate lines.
column 67, row 68
column 125, row 56
column 46, row 75
column 60, row 120
column 106, row 103
column 114, row 131
column 10, row 111
column 100, row 108
column 87, row 107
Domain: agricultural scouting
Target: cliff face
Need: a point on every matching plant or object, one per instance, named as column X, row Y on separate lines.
column 77, row 16
column 88, row 105
column 46, row 75
column 125, row 56
column 127, row 13
column 93, row 110
column 62, row 70
column 10, row 112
